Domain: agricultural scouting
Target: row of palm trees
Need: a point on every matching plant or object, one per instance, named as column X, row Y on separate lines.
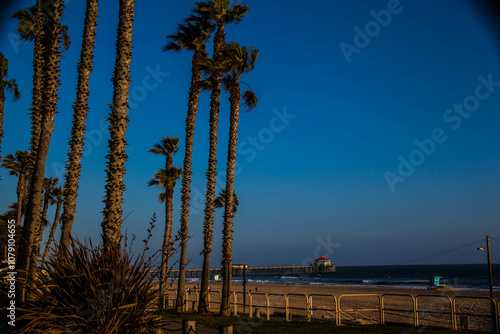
column 229, row 63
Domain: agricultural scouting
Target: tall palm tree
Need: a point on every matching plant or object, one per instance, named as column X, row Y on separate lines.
column 220, row 13
column 190, row 36
column 28, row 20
column 57, row 193
column 241, row 61
column 49, row 185
column 50, row 26
column 118, row 119
column 19, row 164
column 80, row 110
column 8, row 85
column 166, row 179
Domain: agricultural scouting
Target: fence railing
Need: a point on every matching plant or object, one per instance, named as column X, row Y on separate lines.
column 459, row 312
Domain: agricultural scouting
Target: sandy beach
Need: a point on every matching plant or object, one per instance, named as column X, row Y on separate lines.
column 358, row 304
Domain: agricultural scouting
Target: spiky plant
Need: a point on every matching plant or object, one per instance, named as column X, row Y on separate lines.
column 86, row 290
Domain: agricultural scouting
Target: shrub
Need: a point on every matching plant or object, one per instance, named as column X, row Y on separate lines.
column 92, row 290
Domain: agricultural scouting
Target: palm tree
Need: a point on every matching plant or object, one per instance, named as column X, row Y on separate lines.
column 18, row 163
column 5, row 85
column 220, row 201
column 57, row 193
column 49, row 185
column 190, row 36
column 28, row 20
column 220, row 13
column 241, row 61
column 166, row 179
column 118, row 119
column 50, row 80
column 80, row 110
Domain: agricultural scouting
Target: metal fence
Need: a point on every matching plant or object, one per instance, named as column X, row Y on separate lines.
column 425, row 310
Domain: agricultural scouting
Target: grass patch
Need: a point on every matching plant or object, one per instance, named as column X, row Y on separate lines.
column 248, row 325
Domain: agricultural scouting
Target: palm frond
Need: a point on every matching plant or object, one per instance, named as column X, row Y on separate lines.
column 249, row 100
column 11, row 86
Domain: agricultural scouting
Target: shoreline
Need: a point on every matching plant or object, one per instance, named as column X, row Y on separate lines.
column 339, row 289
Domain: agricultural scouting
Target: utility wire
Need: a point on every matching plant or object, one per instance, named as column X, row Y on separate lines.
column 448, row 251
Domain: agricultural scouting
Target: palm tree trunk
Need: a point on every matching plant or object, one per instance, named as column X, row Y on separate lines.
column 53, row 229
column 167, row 246
column 80, row 111
column 21, row 190
column 227, row 232
column 118, row 121
column 37, row 100
column 51, row 84
column 194, row 98
column 208, row 224
column 2, row 103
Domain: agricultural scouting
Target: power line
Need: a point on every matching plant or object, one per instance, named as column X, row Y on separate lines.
column 448, row 251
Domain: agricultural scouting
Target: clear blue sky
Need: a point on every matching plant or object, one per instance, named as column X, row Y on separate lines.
column 343, row 101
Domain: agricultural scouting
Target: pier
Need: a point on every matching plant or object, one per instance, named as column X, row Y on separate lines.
column 261, row 271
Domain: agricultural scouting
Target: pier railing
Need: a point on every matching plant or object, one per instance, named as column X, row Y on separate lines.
column 260, row 271
column 424, row 310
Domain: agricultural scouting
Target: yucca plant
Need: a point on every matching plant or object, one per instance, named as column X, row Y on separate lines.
column 86, row 290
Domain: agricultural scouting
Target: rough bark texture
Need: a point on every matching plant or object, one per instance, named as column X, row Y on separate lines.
column 36, row 92
column 2, row 103
column 211, row 174
column 80, row 111
column 53, row 229
column 118, row 121
column 51, row 82
column 167, row 235
column 194, row 98
column 227, row 232
column 21, row 190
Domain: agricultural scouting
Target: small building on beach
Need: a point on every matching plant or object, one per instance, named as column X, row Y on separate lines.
column 322, row 262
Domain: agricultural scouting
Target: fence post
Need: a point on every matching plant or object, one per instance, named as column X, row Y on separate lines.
column 308, row 308
column 382, row 316
column 267, row 307
column 339, row 315
column 250, row 309
column 235, row 299
column 287, row 311
column 188, row 326
column 415, row 311
column 225, row 329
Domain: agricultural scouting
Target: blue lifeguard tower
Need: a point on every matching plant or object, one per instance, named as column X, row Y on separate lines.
column 436, row 282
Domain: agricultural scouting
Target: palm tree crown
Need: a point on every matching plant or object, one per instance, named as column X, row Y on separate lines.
column 220, row 200
column 27, row 23
column 165, row 178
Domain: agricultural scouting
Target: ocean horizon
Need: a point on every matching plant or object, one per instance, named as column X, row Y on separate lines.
column 458, row 276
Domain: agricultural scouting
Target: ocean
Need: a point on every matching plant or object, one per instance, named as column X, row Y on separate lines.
column 469, row 277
